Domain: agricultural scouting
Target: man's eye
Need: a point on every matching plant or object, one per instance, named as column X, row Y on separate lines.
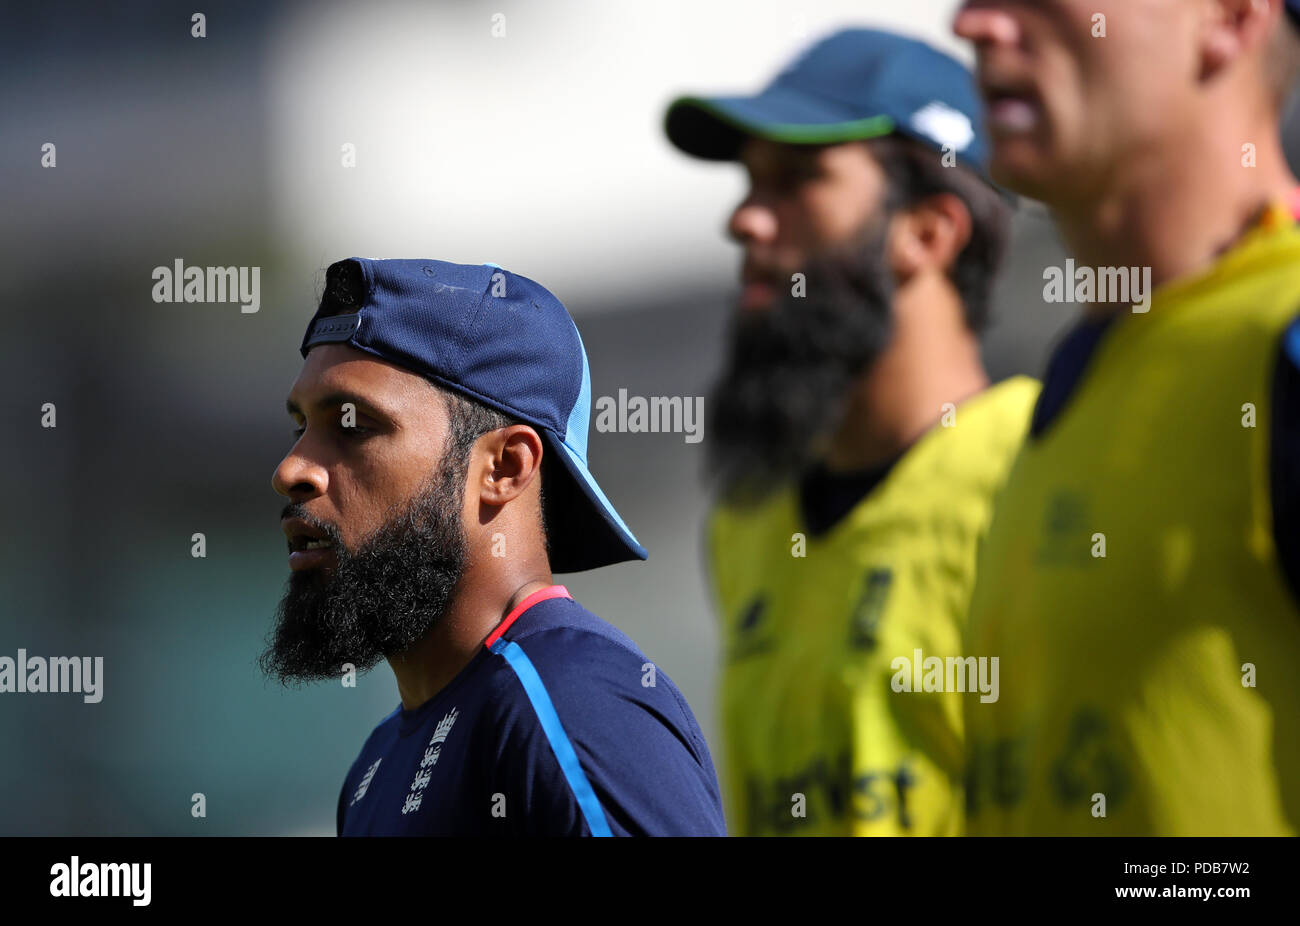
column 355, row 431
column 785, row 182
column 797, row 175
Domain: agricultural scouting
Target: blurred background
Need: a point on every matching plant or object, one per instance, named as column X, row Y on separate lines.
column 540, row 150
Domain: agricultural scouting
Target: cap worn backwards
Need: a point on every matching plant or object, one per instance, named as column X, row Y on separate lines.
column 503, row 340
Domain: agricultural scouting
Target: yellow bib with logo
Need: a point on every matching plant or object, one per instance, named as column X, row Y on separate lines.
column 1149, row 648
column 816, row 739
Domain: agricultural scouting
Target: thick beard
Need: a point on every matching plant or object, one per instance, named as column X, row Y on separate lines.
column 790, row 370
column 381, row 599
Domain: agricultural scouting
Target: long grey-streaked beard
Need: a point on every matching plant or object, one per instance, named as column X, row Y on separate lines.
column 790, row 370
column 381, row 599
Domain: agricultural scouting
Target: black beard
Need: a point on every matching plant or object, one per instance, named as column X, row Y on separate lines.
column 790, row 368
column 381, row 599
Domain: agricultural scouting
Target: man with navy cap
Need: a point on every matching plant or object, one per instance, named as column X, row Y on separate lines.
column 856, row 442
column 438, row 478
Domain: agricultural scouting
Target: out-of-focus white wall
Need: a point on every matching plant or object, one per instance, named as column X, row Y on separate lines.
column 541, row 149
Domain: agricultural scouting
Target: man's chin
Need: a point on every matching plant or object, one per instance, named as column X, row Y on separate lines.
column 1024, row 168
column 324, row 629
column 303, row 647
column 306, row 659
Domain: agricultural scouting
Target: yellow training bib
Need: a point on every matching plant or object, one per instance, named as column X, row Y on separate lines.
column 816, row 741
column 1149, row 648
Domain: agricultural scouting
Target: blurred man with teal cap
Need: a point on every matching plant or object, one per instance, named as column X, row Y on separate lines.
column 855, row 443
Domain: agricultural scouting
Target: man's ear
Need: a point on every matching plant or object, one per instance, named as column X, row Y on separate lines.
column 928, row 235
column 511, row 458
column 1234, row 27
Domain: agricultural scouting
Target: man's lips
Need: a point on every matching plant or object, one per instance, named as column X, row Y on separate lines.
column 757, row 295
column 758, row 288
column 1013, row 116
column 309, row 546
column 1013, row 107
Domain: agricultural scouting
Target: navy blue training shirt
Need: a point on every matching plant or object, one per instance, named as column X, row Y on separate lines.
column 558, row 726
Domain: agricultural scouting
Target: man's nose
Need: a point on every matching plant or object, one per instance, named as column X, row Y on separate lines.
column 986, row 22
column 752, row 221
column 298, row 477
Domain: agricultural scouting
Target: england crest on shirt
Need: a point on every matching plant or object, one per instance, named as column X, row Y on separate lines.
column 428, row 761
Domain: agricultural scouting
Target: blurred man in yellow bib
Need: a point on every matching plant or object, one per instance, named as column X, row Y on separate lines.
column 855, row 439
column 1141, row 577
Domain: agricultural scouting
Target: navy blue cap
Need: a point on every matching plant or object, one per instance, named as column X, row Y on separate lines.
column 1293, row 7
column 856, row 84
column 504, row 340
